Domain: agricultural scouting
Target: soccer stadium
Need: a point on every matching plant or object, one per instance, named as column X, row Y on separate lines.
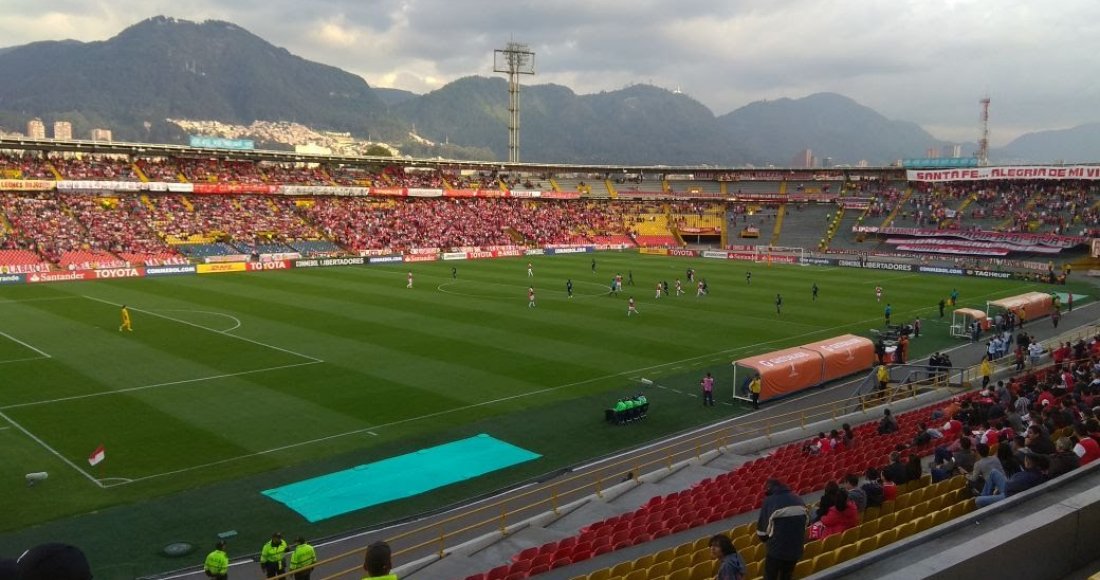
column 513, row 371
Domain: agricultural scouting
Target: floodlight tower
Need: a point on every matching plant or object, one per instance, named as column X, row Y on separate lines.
column 514, row 60
column 983, row 143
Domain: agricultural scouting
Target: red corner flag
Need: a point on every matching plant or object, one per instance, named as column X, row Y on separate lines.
column 97, row 456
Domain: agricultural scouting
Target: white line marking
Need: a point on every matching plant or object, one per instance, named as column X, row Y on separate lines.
column 233, row 318
column 12, row 338
column 15, row 360
column 155, row 386
column 221, row 332
column 372, row 433
column 51, row 450
column 539, row 392
column 5, row 428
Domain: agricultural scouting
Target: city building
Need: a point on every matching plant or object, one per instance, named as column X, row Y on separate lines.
column 101, row 135
column 36, row 129
column 63, row 131
column 804, row 159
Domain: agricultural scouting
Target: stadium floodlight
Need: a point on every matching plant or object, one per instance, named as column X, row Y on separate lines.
column 514, row 60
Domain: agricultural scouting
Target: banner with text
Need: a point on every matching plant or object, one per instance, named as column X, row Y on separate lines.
column 1089, row 172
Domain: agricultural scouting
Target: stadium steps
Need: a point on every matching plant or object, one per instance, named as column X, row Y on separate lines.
column 554, row 185
column 180, row 177
column 778, row 225
column 946, row 223
column 897, row 208
column 137, row 171
column 833, row 227
column 187, row 203
column 56, row 174
column 1028, row 207
column 611, row 191
column 516, row 236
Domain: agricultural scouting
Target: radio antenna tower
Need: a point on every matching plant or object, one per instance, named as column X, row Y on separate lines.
column 983, row 143
column 514, row 60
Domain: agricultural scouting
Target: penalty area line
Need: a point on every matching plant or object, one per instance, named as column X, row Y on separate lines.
column 42, row 353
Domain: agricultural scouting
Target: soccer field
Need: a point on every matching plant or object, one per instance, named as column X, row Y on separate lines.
column 232, row 383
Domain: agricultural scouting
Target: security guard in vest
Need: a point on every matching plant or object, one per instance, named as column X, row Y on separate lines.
column 271, row 555
column 754, row 391
column 217, row 563
column 303, row 556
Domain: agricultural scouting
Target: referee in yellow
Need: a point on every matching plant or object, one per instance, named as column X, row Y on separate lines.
column 304, row 556
column 125, row 320
column 217, row 563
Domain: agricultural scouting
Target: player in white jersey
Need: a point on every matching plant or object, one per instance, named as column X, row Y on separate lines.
column 630, row 307
column 409, row 284
column 878, row 293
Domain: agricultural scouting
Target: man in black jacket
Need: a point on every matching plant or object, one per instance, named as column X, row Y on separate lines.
column 782, row 526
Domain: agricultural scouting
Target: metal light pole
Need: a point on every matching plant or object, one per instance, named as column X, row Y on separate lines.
column 514, row 60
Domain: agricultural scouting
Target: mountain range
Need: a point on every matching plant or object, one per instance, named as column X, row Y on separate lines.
column 165, row 68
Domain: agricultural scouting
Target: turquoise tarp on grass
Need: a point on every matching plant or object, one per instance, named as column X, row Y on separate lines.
column 363, row 486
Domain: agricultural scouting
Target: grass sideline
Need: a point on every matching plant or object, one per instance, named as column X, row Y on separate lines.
column 236, row 383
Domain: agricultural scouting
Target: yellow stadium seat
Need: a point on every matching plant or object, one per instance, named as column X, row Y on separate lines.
column 887, row 537
column 703, row 570
column 743, row 530
column 684, row 574
column 916, row 496
column 886, row 508
column 926, row 479
column 866, row 545
column 702, row 543
column 830, row 543
column 935, row 503
column 742, row 542
column 825, row 560
column 812, row 549
column 753, row 569
column 664, row 556
column 803, row 569
column 969, row 505
column 600, row 574
column 903, row 501
column 868, row 529
column 924, row 523
column 636, row 575
column 871, row 513
column 685, row 549
column 703, row 555
column 658, row 571
column 887, row 521
column 849, row 536
column 622, row 568
column 845, row 553
column 907, row 529
column 940, row 516
column 903, row 516
column 644, row 562
column 681, row 562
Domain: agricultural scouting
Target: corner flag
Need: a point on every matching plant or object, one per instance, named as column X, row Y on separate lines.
column 97, row 456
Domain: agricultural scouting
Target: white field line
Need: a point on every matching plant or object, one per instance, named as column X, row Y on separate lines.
column 15, row 360
column 155, row 386
column 211, row 312
column 502, row 400
column 51, row 450
column 13, row 339
column 221, row 332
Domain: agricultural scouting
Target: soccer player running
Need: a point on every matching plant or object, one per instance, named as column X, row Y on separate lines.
column 679, row 288
column 699, row 289
column 454, row 273
column 748, row 278
column 630, row 307
column 878, row 293
column 658, row 290
column 409, row 284
column 778, row 303
column 814, row 290
column 530, row 270
column 125, row 320
column 530, row 297
column 569, row 287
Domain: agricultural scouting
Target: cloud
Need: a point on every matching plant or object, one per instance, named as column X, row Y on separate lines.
column 926, row 62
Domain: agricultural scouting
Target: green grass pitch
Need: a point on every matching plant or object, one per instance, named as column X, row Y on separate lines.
column 234, row 383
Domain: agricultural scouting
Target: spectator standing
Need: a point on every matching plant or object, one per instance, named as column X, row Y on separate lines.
column 754, row 391
column 782, row 527
column 217, row 563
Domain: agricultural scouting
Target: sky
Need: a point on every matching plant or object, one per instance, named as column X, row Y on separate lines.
column 928, row 62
